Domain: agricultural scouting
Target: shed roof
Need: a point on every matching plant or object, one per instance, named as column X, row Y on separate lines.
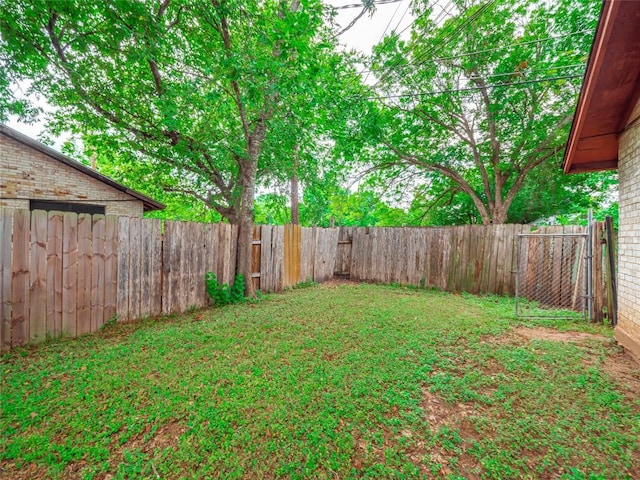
column 610, row 90
column 149, row 204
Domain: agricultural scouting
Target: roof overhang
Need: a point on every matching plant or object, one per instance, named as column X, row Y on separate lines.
column 610, row 90
column 148, row 204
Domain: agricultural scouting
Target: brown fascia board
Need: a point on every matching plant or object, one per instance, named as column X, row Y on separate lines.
column 594, row 64
column 148, row 203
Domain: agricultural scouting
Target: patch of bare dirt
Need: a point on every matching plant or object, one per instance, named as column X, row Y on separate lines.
column 337, row 282
column 8, row 471
column 166, row 436
column 440, row 413
column 625, row 372
column 540, row 333
column 456, row 416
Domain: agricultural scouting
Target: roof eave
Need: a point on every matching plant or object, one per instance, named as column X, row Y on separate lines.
column 148, row 203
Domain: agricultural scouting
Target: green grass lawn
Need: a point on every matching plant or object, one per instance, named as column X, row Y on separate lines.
column 354, row 381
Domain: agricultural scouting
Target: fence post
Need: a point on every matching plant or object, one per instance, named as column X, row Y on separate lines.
column 612, row 282
column 589, row 259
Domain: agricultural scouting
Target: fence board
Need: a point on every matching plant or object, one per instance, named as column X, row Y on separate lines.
column 599, row 300
column 97, row 273
column 292, row 254
column 55, row 225
column 277, row 258
column 225, row 254
column 256, row 246
column 174, row 238
column 123, row 269
column 37, row 299
column 135, row 267
column 6, row 229
column 83, row 320
column 213, row 249
column 146, row 227
column 155, row 272
column 20, row 278
column 167, row 252
column 110, row 268
column 69, row 273
column 307, row 253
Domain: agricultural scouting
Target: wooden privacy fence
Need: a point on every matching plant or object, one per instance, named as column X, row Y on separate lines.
column 470, row 258
column 68, row 274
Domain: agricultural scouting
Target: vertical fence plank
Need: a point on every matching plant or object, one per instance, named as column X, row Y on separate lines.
column 97, row 272
column 265, row 259
column 146, row 266
column 38, row 277
column 110, row 267
column 6, row 255
column 155, row 304
column 83, row 320
column 213, row 249
column 20, row 278
column 54, row 273
column 599, row 300
column 200, row 290
column 167, row 255
column 234, row 252
column 278, row 258
column 135, row 267
column 124, row 251
column 307, row 253
column 175, row 287
column 224, row 257
column 256, row 246
column 69, row 273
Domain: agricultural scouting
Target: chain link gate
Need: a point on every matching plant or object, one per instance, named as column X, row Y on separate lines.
column 553, row 275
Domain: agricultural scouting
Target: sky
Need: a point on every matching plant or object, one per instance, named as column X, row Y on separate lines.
column 366, row 32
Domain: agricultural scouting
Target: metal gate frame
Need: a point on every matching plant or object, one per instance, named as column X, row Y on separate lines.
column 588, row 286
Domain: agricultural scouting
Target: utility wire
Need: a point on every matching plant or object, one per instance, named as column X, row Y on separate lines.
column 471, row 89
column 449, row 35
column 385, row 31
column 427, row 10
column 406, row 10
column 488, row 50
column 360, row 5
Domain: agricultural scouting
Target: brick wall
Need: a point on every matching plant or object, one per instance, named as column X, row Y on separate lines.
column 628, row 329
column 27, row 174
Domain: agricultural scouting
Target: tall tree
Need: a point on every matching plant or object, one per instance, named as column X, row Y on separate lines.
column 484, row 98
column 191, row 87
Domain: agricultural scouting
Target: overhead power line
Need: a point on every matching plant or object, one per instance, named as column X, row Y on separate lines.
column 362, row 4
column 478, row 52
column 471, row 89
column 442, row 42
column 387, row 28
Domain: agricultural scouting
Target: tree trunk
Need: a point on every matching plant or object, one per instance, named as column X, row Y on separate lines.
column 295, row 199
column 245, row 226
column 295, row 203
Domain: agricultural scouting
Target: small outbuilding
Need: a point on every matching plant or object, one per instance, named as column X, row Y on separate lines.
column 37, row 177
column 606, row 135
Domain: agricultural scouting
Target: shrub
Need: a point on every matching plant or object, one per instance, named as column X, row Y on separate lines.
column 223, row 294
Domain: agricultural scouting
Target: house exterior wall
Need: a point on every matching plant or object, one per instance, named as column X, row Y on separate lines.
column 628, row 329
column 27, row 174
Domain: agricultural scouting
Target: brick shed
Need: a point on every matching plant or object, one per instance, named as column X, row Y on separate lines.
column 35, row 176
column 606, row 135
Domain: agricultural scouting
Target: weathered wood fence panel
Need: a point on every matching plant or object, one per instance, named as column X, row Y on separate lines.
column 57, row 274
column 68, row 274
column 325, row 253
column 469, row 258
column 292, row 254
